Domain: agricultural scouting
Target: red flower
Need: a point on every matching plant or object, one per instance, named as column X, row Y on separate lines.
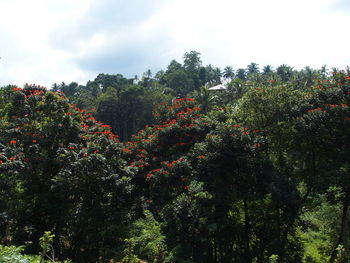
column 13, row 142
column 71, row 148
column 33, row 141
column 16, row 89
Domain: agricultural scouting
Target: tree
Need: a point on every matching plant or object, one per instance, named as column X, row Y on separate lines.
column 252, row 68
column 213, row 75
column 285, row 72
column 267, row 69
column 228, row 73
column 192, row 61
column 180, row 82
column 61, row 167
column 241, row 74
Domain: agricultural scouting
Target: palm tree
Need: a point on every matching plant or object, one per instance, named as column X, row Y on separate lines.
column 205, row 98
column 236, row 89
column 285, row 72
column 217, row 76
column 241, row 74
column 228, row 73
column 267, row 69
column 308, row 75
column 253, row 68
column 213, row 75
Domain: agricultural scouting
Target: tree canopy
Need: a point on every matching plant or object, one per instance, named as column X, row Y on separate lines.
column 163, row 169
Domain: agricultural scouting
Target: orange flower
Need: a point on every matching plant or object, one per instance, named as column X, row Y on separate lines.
column 16, row 89
column 13, row 142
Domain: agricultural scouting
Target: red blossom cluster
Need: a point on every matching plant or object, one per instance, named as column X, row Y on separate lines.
column 16, row 89
column 329, row 106
column 34, row 92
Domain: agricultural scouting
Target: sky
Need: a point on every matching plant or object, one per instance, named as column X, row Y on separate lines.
column 50, row 41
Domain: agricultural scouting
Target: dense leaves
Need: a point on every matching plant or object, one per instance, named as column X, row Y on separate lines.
column 254, row 173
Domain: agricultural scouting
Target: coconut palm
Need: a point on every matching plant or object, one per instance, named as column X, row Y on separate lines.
column 228, row 73
column 253, row 68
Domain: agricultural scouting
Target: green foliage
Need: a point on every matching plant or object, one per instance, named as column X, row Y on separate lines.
column 146, row 240
column 254, row 173
column 45, row 243
column 12, row 254
column 273, row 259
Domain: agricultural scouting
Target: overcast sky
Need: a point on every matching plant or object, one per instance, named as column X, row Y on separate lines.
column 48, row 41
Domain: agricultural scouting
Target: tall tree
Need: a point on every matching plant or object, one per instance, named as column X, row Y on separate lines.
column 241, row 74
column 228, row 73
column 252, row 68
column 192, row 61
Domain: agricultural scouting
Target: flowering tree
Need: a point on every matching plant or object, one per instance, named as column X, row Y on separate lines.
column 60, row 169
column 324, row 139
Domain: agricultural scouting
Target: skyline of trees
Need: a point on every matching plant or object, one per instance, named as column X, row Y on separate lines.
column 126, row 171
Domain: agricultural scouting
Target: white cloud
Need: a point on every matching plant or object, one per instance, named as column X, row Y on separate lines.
column 74, row 40
column 26, row 56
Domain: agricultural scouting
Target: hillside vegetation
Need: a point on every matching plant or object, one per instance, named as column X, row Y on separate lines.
column 162, row 169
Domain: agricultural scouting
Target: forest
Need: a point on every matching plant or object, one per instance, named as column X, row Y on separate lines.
column 162, row 168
